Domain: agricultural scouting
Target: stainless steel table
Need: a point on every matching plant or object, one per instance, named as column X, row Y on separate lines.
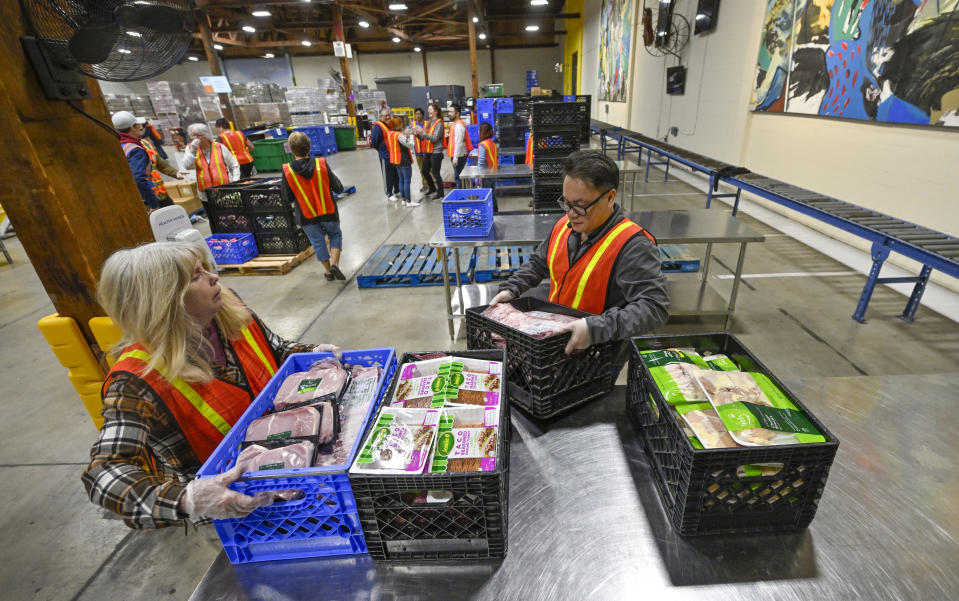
column 585, row 521
column 687, row 296
column 469, row 174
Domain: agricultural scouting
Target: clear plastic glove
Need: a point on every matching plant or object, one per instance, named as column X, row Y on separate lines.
column 502, row 297
column 212, row 497
column 580, row 335
column 329, row 348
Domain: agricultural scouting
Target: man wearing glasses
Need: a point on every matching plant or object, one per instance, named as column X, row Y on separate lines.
column 596, row 260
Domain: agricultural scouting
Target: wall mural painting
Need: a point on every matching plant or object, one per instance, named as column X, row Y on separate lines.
column 615, row 49
column 894, row 61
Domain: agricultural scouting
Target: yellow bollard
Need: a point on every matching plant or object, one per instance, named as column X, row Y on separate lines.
column 68, row 344
column 107, row 335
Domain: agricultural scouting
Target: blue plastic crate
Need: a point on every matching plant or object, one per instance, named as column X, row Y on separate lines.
column 504, row 105
column 321, row 137
column 507, row 159
column 485, row 105
column 232, row 249
column 468, row 213
column 473, row 131
column 569, row 98
column 278, row 132
column 324, row 521
column 487, row 118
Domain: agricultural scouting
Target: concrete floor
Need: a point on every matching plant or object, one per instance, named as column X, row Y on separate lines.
column 58, row 546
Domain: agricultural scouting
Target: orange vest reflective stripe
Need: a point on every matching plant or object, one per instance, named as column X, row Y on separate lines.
column 313, row 194
column 205, row 411
column 452, row 138
column 236, row 142
column 154, row 132
column 431, row 130
column 159, row 188
column 213, row 172
column 395, row 148
column 384, row 130
column 583, row 285
column 420, row 145
column 492, row 157
column 529, row 150
column 129, row 147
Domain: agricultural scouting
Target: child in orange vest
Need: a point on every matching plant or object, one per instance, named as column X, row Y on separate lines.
column 309, row 184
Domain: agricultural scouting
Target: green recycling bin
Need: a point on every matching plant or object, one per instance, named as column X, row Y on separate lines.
column 270, row 154
column 345, row 137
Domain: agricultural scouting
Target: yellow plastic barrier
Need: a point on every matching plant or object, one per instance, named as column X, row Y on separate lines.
column 64, row 337
column 107, row 335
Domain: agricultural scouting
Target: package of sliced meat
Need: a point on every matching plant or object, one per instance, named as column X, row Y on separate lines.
column 449, row 381
column 277, row 455
column 673, row 370
column 353, row 409
column 720, row 363
column 305, row 421
column 324, row 381
column 704, row 422
column 755, row 411
column 466, row 440
column 400, row 442
column 538, row 324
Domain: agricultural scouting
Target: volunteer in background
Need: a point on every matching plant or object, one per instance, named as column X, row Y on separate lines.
column 192, row 359
column 422, row 156
column 214, row 163
column 596, row 260
column 458, row 144
column 153, row 134
column 432, row 136
column 159, row 165
column 238, row 144
column 309, row 184
column 529, row 142
column 487, row 157
column 378, row 137
column 130, row 129
column 400, row 145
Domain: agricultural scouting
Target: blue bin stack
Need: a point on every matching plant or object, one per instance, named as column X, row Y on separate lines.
column 322, row 139
column 532, row 80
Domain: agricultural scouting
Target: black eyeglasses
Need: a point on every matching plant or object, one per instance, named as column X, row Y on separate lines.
column 580, row 209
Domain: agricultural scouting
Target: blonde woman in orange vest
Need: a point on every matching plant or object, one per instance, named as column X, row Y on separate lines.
column 309, row 185
column 192, row 359
column 597, row 260
column 214, row 163
column 238, row 144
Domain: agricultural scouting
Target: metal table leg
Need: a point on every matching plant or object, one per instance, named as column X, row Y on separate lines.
column 879, row 255
column 705, row 271
column 910, row 313
column 459, row 283
column 446, row 289
column 737, row 277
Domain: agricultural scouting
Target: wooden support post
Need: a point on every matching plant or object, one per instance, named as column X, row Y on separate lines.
column 472, row 35
column 492, row 65
column 214, row 60
column 339, row 36
column 426, row 73
column 66, row 185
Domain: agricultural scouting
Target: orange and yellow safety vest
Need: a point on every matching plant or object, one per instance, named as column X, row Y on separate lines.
column 313, row 194
column 492, row 156
column 395, row 148
column 213, row 172
column 159, row 188
column 236, row 142
column 529, row 150
column 452, row 137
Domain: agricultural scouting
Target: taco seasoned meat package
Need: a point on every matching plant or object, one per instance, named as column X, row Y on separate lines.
column 304, row 421
column 399, row 442
column 325, row 380
column 447, row 382
column 466, row 440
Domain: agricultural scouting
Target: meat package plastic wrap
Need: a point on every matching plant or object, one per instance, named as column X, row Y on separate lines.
column 466, row 440
column 449, row 381
column 324, row 381
column 755, row 411
column 353, row 408
column 674, row 370
column 284, row 455
column 705, row 424
column 400, row 442
column 304, row 421
column 538, row 324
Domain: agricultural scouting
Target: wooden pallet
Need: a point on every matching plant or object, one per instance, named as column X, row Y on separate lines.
column 268, row 264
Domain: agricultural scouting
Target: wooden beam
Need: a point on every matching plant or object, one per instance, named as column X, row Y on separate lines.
column 532, row 17
column 492, row 64
column 214, row 61
column 472, row 41
column 344, row 63
column 72, row 204
column 426, row 72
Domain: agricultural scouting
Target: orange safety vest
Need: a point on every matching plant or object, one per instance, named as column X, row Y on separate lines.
column 492, row 157
column 385, row 129
column 529, row 150
column 583, row 285
column 214, row 172
column 418, row 144
column 452, row 138
column 236, row 142
column 205, row 411
column 430, row 130
column 154, row 132
column 313, row 194
column 396, row 149
column 129, row 147
column 159, row 188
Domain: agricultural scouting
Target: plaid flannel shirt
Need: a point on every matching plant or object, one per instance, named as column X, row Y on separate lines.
column 141, row 462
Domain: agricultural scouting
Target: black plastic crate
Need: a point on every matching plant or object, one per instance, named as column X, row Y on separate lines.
column 282, row 243
column 548, row 167
column 558, row 143
column 226, row 221
column 703, row 490
column 274, row 222
column 543, row 380
column 473, row 525
column 545, row 194
column 229, row 196
column 559, row 113
column 266, row 196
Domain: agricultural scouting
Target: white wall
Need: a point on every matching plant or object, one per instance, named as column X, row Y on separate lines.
column 512, row 64
column 189, row 71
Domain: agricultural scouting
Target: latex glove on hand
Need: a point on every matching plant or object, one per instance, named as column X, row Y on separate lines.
column 329, row 348
column 212, row 497
column 580, row 335
column 502, row 297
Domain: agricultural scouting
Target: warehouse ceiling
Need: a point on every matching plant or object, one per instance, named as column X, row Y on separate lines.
column 429, row 24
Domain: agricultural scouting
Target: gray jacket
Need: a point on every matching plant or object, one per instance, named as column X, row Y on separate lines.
column 436, row 138
column 636, row 298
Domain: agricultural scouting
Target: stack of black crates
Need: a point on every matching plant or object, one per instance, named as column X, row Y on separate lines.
column 557, row 132
column 256, row 206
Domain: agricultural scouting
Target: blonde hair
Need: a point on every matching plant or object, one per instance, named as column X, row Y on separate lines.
column 299, row 144
column 142, row 290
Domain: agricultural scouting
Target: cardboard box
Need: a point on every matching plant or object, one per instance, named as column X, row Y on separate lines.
column 185, row 195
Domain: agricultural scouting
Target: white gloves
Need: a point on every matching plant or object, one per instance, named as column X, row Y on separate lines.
column 580, row 335
column 329, row 348
column 211, row 497
column 502, row 297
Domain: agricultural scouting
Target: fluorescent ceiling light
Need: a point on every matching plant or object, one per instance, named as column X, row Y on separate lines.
column 123, row 51
column 261, row 13
column 307, row 43
column 399, row 6
column 364, row 24
column 249, row 29
column 396, row 40
column 193, row 58
column 539, row 2
column 475, row 19
column 417, row 49
column 482, row 36
column 135, row 34
column 217, row 46
column 532, row 28
column 268, row 55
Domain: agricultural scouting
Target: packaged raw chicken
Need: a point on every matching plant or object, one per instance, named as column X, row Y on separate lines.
column 304, row 421
column 704, row 422
column 674, row 370
column 755, row 411
column 466, row 440
column 277, row 455
column 325, row 380
column 399, row 442
column 720, row 363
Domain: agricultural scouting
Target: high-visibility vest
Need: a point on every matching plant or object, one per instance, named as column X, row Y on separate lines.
column 213, row 172
column 492, row 157
column 313, row 194
column 159, row 188
column 129, row 147
column 452, row 138
column 205, row 411
column 431, row 130
column 395, row 148
column 384, row 129
column 420, row 145
column 154, row 132
column 236, row 142
column 529, row 150
column 583, row 285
